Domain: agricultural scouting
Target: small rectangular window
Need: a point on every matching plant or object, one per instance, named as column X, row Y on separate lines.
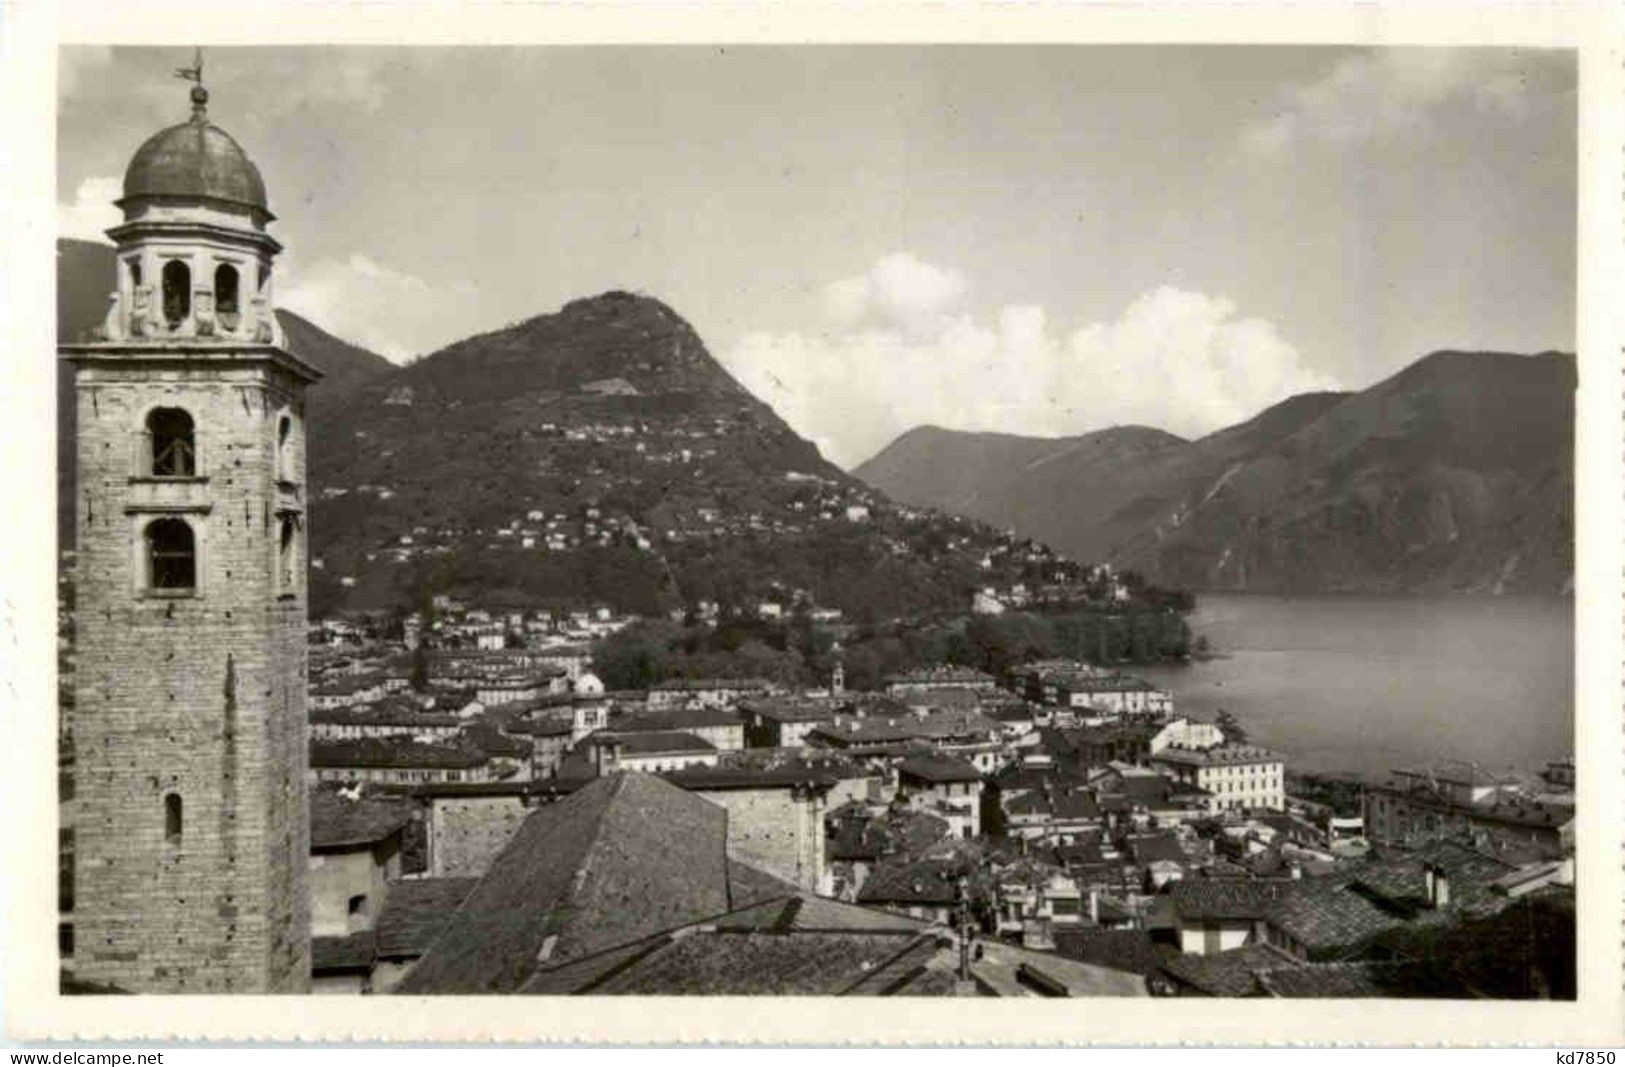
column 172, row 818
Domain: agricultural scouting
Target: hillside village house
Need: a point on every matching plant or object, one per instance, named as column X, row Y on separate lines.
column 949, row 677
column 723, row 730
column 1239, row 777
column 345, row 692
column 784, row 722
column 651, row 753
column 395, row 760
column 385, row 719
column 931, row 890
column 1456, row 798
column 706, row 692
column 1112, row 695
column 946, row 787
column 355, row 853
column 511, row 689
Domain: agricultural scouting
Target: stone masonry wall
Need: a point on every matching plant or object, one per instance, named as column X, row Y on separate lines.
column 780, row 831
column 201, row 696
column 467, row 833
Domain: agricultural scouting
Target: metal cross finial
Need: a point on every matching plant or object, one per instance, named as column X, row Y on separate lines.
column 194, row 73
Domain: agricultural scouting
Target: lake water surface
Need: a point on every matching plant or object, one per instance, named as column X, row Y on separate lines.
column 1364, row 684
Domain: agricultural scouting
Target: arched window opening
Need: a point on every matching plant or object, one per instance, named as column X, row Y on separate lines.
column 135, row 271
column 172, row 818
column 288, row 555
column 171, row 555
column 358, row 919
column 174, row 451
column 177, row 292
column 284, row 435
column 225, row 295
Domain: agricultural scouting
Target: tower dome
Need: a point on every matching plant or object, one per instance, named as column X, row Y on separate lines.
column 195, row 160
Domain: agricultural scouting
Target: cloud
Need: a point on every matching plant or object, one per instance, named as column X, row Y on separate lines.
column 395, row 314
column 1179, row 360
column 899, row 290
column 92, row 212
column 1383, row 92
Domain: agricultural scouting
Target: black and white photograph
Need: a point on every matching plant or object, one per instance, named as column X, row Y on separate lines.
column 1028, row 520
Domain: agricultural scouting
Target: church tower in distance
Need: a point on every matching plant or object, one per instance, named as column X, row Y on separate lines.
column 192, row 824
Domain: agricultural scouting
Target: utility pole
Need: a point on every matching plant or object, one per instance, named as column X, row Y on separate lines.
column 964, row 928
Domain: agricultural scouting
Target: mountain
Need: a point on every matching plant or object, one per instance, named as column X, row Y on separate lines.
column 964, row 472
column 600, row 454
column 1455, row 475
column 84, row 278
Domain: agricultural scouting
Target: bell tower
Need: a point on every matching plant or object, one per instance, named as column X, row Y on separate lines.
column 192, row 828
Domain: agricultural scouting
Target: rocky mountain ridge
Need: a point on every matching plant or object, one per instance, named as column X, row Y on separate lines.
column 1454, row 475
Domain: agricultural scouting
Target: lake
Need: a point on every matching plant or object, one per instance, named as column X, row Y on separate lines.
column 1363, row 684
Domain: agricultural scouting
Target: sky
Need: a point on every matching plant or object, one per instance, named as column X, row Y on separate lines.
column 1043, row 240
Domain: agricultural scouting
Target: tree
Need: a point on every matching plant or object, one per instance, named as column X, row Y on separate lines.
column 1231, row 727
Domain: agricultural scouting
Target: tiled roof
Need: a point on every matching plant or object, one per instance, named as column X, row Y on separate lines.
column 1161, row 847
column 1075, row 804
column 1202, row 899
column 383, row 713
column 945, row 675
column 722, row 685
column 1006, row 711
column 942, row 696
column 353, row 952
column 793, row 944
column 1124, row 950
column 658, row 744
column 390, row 752
column 620, row 859
column 415, row 911
column 939, row 769
column 1102, row 683
column 756, row 964
column 860, row 836
column 1363, row 978
column 790, row 709
column 916, row 882
column 748, row 885
column 910, row 726
column 1453, row 772
column 1226, row 974
column 672, row 720
column 338, row 822
column 812, row 913
column 1006, row 970
column 1226, row 755
column 707, row 778
column 541, row 725
column 493, row 742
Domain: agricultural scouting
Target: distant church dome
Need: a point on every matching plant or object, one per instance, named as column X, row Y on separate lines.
column 195, row 159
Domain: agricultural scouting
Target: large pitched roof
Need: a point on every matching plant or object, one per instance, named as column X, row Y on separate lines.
column 792, row 944
column 416, row 910
column 339, row 822
column 618, row 860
